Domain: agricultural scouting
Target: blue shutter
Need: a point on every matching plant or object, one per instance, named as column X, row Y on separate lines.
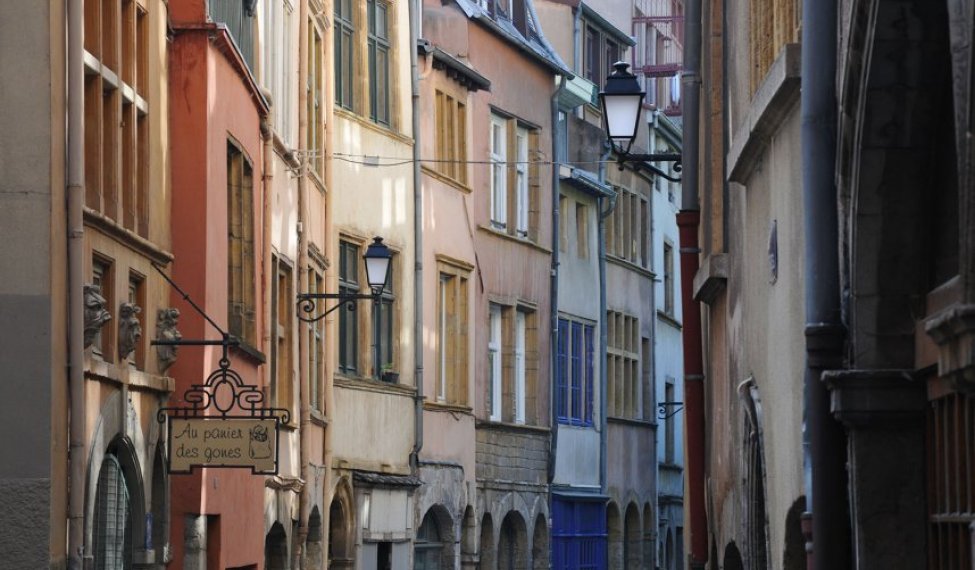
column 590, row 379
column 576, row 359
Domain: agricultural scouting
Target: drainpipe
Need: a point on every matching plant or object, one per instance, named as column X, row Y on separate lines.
column 554, row 304
column 654, row 125
column 76, row 314
column 824, row 330
column 688, row 220
column 415, row 10
column 603, row 330
column 305, row 501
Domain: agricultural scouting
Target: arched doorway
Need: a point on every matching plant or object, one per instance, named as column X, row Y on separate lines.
column 614, row 529
column 313, row 542
column 433, row 546
column 341, row 529
column 119, row 509
column 632, row 547
column 487, row 559
column 276, row 548
column 540, row 546
column 648, row 545
column 732, row 558
column 753, row 462
column 513, row 543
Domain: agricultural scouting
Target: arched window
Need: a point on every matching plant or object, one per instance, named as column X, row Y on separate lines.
column 112, row 536
column 428, row 548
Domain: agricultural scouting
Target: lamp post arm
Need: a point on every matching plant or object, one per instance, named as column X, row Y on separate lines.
column 306, row 303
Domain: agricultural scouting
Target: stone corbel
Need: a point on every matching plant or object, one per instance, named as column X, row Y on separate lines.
column 953, row 329
column 875, row 397
column 129, row 329
column 96, row 315
column 166, row 321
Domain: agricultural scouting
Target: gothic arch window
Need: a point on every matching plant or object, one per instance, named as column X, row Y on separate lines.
column 753, row 465
column 112, row 536
column 428, row 551
column 486, row 548
column 276, row 548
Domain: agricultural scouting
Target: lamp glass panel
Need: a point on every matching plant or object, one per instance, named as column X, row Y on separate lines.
column 376, row 270
column 621, row 115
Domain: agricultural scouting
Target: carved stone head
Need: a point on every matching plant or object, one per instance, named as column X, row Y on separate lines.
column 129, row 329
column 166, row 321
column 95, row 313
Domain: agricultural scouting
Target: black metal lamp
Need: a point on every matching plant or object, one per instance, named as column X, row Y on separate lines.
column 621, row 101
column 376, row 258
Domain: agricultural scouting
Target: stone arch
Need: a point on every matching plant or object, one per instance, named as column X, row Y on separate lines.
column 753, row 465
column 341, row 527
column 276, row 548
column 540, row 546
column 732, row 558
column 117, row 523
column 159, row 503
column 614, row 536
column 313, row 542
column 632, row 539
column 434, row 545
column 794, row 554
column 648, row 539
column 486, row 545
column 513, row 543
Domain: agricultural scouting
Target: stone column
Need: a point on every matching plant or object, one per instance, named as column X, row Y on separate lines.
column 883, row 412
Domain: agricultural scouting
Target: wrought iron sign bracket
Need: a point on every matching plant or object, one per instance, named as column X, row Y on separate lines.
column 645, row 160
column 306, row 303
column 668, row 409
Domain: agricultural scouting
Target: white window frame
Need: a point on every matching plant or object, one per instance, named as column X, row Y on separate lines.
column 442, row 333
column 520, row 320
column 521, row 181
column 494, row 357
column 499, row 172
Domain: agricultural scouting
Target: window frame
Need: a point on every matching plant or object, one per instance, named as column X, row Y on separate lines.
column 376, row 44
column 575, row 378
column 498, row 153
column 344, row 60
column 495, row 364
column 348, row 321
column 522, row 190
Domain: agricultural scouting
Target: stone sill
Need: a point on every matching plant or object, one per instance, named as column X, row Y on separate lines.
column 769, row 107
column 711, row 278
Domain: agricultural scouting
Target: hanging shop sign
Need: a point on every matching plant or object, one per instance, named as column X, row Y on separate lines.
column 224, row 425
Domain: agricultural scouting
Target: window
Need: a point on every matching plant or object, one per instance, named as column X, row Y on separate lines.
column 494, row 364
column 612, row 55
column 344, row 54
column 574, row 381
column 669, row 422
column 590, row 58
column 348, row 321
column 451, row 137
column 103, row 277
column 623, row 361
column 774, row 23
column 238, row 16
column 514, row 184
column 564, row 223
column 240, row 199
column 669, row 279
column 378, row 45
column 112, row 533
column 116, row 112
column 382, row 323
column 499, row 178
column 582, row 231
column 519, row 411
column 452, row 334
column 562, row 137
column 282, row 385
column 315, row 87
column 278, row 70
column 316, row 347
column 428, row 548
column 627, row 228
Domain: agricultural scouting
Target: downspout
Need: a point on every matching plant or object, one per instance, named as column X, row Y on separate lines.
column 654, row 125
column 78, row 451
column 831, row 542
column 554, row 304
column 415, row 9
column 688, row 221
column 603, row 330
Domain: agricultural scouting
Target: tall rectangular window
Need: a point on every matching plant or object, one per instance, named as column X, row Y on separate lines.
column 344, row 53
column 137, row 297
column 314, row 89
column 348, row 356
column 452, row 335
column 521, row 181
column 494, row 364
column 451, row 137
column 582, row 230
column 282, row 384
column 316, row 347
column 103, row 277
column 240, row 206
column 519, row 414
column 383, row 322
column 378, row 47
column 591, row 56
column 623, row 359
column 499, row 177
column 627, row 229
column 668, row 279
column 575, row 378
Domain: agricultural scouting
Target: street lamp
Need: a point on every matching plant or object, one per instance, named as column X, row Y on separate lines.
column 377, row 259
column 622, row 103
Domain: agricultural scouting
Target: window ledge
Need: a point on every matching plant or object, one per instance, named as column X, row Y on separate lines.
column 457, row 185
column 448, row 408
column 523, row 241
column 670, row 466
column 368, row 124
column 110, row 372
column 372, row 385
column 769, row 107
column 318, row 418
column 127, row 237
column 669, row 319
column 625, row 263
column 508, row 426
column 632, row 422
column 249, row 352
column 711, row 278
